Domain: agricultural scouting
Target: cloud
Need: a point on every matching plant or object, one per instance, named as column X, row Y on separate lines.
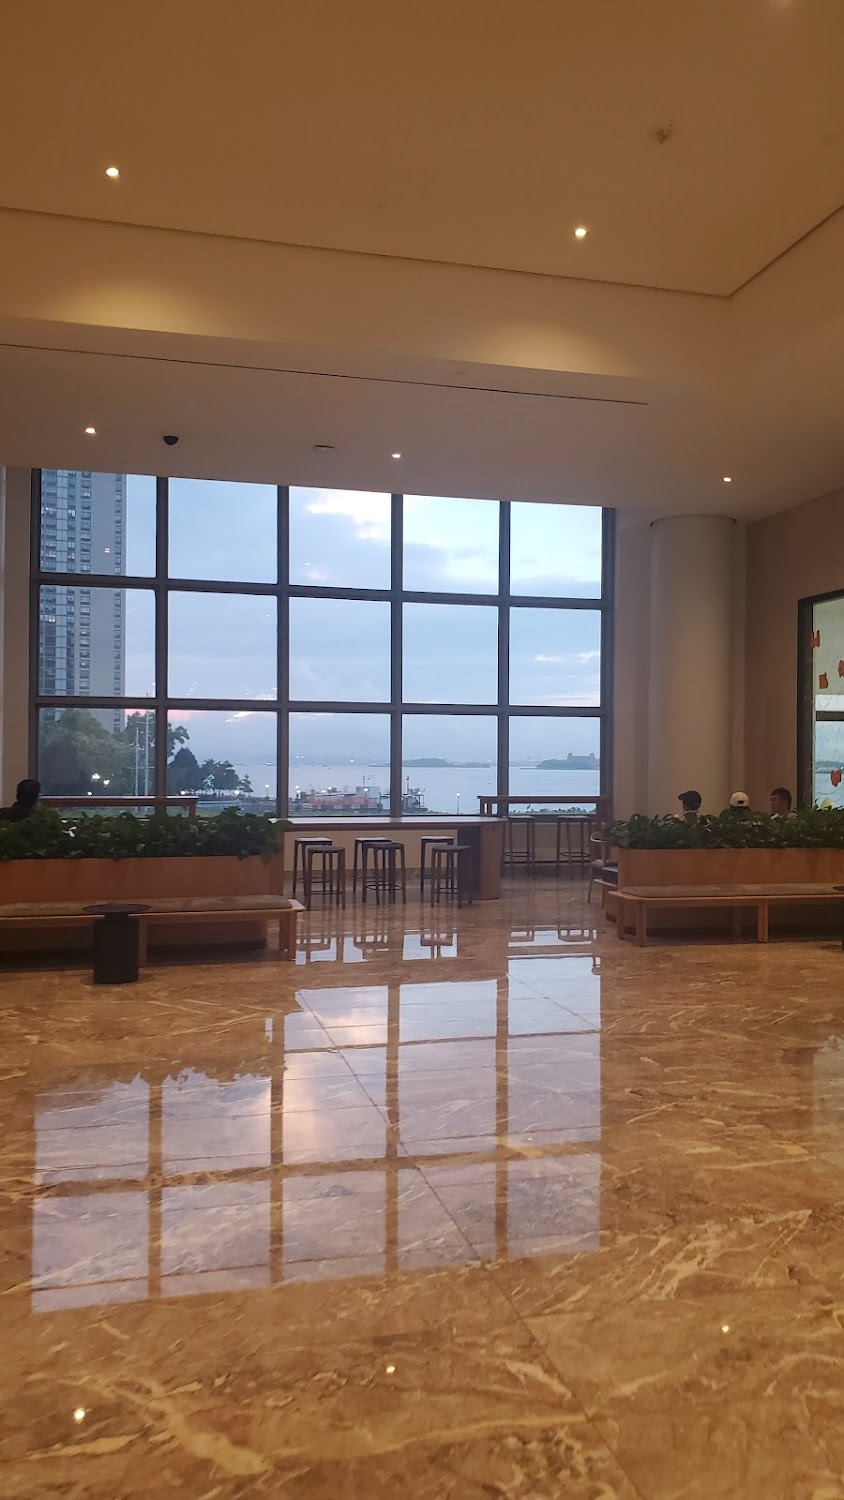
column 246, row 713
column 569, row 658
column 369, row 512
column 586, row 698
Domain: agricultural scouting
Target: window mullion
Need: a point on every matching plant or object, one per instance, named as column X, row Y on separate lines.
column 283, row 660
column 503, row 720
column 396, row 575
column 162, row 556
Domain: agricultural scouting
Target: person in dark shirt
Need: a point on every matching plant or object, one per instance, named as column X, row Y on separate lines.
column 25, row 803
column 689, row 803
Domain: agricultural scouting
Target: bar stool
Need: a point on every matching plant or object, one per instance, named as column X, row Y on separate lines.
column 425, row 843
column 394, row 870
column 449, row 869
column 365, row 847
column 300, row 845
column 527, row 855
column 387, row 871
column 584, row 823
column 332, row 876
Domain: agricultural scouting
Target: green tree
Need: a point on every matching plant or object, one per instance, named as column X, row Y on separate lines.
column 183, row 773
column 78, row 755
column 219, row 776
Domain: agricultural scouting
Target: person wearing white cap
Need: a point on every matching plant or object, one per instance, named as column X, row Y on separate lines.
column 739, row 805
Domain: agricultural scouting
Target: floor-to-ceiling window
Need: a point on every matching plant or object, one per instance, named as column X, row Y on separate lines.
column 821, row 694
column 318, row 650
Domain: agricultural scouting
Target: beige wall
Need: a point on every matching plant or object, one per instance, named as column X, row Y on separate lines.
column 632, row 661
column 634, row 746
column 790, row 556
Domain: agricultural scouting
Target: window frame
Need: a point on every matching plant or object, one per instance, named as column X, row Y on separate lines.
column 163, row 705
column 806, row 716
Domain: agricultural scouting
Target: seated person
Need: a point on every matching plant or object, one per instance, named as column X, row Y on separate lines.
column 25, row 803
column 781, row 801
column 689, row 804
column 739, row 804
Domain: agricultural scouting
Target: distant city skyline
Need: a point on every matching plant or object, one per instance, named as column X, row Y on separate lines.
column 82, row 629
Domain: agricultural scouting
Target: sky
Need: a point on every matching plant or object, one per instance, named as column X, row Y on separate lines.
column 224, row 645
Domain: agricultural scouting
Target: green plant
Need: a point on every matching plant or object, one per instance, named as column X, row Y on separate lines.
column 811, row 828
column 46, row 835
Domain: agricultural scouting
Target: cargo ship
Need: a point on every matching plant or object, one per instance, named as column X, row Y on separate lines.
column 352, row 801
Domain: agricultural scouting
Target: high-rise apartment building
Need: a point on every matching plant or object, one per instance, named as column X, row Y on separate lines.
column 83, row 629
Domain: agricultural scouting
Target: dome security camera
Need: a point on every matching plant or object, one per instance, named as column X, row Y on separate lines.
column 170, row 440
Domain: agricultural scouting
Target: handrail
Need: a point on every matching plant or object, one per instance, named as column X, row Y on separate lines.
column 93, row 801
column 490, row 804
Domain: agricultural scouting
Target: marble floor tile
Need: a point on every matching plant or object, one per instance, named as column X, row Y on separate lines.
column 486, row 1206
column 748, row 1346
column 752, row 1448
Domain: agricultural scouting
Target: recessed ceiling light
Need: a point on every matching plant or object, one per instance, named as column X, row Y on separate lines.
column 91, row 431
column 395, row 455
column 581, row 232
column 728, row 478
column 112, row 172
column 323, row 447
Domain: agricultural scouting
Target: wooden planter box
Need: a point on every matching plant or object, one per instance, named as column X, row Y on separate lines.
column 730, row 866
column 95, row 880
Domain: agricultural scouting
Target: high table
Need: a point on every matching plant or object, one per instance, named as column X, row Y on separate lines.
column 483, row 835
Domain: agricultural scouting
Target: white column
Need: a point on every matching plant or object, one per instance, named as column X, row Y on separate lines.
column 14, row 627
column 692, row 645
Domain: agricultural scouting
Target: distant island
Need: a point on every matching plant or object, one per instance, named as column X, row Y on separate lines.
column 434, row 763
column 571, row 763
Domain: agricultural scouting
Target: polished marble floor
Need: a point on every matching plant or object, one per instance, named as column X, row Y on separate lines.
column 480, row 1204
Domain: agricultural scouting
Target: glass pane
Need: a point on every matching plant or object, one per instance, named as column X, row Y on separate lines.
column 227, row 759
column 828, row 696
column 450, row 653
column 339, row 649
column 89, row 1249
column 223, row 530
column 340, row 538
column 339, row 763
column 96, row 752
column 96, row 642
column 97, row 523
column 555, row 550
column 554, row 757
column 222, row 646
column 450, row 546
column 555, row 657
column 448, row 761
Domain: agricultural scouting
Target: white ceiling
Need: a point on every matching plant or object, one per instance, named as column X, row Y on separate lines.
column 478, row 132
column 659, row 450
column 431, row 140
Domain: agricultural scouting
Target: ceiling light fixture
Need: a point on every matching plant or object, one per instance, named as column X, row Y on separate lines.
column 728, row 478
column 323, row 447
column 112, row 172
column 581, row 232
column 91, row 431
column 395, row 455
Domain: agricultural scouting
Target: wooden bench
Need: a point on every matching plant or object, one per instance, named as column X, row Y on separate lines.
column 210, row 909
column 637, row 902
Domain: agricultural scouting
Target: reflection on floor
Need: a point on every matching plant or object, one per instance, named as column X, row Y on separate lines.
column 481, row 1205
